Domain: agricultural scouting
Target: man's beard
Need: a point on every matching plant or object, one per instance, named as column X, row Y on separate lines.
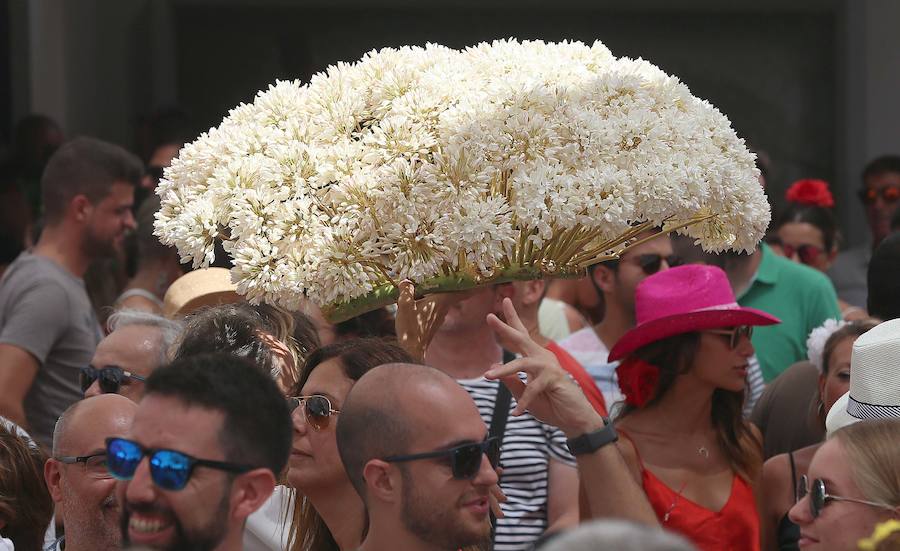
column 433, row 522
column 97, row 532
column 96, row 247
column 205, row 538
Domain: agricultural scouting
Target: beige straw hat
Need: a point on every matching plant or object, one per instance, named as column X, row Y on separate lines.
column 194, row 290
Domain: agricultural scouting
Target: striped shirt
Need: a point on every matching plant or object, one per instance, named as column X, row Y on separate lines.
column 528, row 446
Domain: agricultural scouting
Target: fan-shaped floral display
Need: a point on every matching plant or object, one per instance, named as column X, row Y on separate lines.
column 456, row 168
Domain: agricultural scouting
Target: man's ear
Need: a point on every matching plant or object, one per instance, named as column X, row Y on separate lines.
column 53, row 478
column 604, row 278
column 250, row 491
column 81, row 208
column 531, row 292
column 382, row 481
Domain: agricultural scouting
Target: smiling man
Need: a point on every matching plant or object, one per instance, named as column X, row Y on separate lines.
column 208, row 441
column 76, row 474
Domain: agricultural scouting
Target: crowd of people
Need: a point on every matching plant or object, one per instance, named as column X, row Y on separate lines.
column 671, row 399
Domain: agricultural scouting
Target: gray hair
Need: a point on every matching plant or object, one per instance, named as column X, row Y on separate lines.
column 170, row 330
column 617, row 534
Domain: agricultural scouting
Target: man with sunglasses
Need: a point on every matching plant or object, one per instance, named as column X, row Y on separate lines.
column 880, row 196
column 616, row 282
column 76, row 473
column 207, row 444
column 138, row 344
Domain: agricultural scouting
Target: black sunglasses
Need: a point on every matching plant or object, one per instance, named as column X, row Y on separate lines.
column 465, row 460
column 169, row 469
column 734, row 335
column 316, row 408
column 819, row 498
column 650, row 263
column 111, row 378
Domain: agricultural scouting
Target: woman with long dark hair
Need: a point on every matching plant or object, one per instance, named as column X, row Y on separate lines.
column 328, row 514
column 683, row 373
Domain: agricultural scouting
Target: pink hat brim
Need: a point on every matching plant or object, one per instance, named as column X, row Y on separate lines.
column 687, row 322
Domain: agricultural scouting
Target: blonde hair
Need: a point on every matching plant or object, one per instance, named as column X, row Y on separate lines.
column 873, row 454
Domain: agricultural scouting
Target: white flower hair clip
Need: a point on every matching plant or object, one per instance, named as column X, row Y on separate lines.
column 815, row 343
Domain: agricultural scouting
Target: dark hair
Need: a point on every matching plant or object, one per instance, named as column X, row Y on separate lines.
column 375, row 323
column 880, row 165
column 25, row 503
column 820, row 217
column 239, row 328
column 257, row 426
column 853, row 329
column 308, row 531
column 882, row 279
column 89, row 167
column 673, row 356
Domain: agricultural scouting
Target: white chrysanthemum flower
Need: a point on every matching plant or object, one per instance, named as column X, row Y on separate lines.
column 815, row 343
column 455, row 168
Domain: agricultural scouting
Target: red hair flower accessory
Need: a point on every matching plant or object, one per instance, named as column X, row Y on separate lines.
column 811, row 192
column 637, row 380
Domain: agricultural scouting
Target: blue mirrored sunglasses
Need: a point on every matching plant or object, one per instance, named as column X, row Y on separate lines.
column 169, row 469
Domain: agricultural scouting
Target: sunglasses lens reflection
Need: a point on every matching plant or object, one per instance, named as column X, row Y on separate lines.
column 318, row 409
column 86, row 377
column 122, row 458
column 170, row 470
column 467, row 461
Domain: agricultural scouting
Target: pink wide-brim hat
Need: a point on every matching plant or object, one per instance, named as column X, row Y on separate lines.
column 681, row 300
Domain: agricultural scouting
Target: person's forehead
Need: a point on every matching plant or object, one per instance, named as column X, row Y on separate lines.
column 440, row 415
column 660, row 244
column 119, row 191
column 129, row 347
column 167, row 422
column 883, row 179
column 799, row 231
column 830, row 463
column 328, row 378
column 97, row 419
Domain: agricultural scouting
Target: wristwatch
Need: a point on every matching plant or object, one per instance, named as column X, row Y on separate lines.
column 593, row 441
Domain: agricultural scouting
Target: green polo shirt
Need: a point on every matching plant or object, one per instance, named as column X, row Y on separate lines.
column 800, row 296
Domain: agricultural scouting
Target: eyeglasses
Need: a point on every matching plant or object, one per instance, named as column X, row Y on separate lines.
column 808, row 254
column 111, row 378
column 889, row 194
column 650, row 263
column 316, row 408
column 465, row 460
column 169, row 469
column 95, row 462
column 818, row 498
column 734, row 335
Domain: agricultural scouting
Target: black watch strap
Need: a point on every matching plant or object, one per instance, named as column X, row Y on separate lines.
column 593, row 441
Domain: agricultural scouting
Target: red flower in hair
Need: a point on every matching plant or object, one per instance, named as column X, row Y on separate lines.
column 811, row 192
column 637, row 380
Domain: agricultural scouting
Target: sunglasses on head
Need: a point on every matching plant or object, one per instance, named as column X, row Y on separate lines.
column 889, row 194
column 111, row 378
column 169, row 469
column 317, row 409
column 734, row 335
column 819, row 498
column 465, row 459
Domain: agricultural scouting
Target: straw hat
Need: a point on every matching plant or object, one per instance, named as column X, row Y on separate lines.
column 681, row 300
column 194, row 290
column 874, row 379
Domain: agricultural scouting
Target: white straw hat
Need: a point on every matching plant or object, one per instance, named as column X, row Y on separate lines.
column 874, row 379
column 204, row 287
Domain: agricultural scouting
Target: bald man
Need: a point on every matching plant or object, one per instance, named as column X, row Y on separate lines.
column 414, row 502
column 425, row 475
column 76, row 474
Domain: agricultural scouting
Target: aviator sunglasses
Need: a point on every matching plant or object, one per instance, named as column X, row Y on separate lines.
column 111, row 378
column 169, row 469
column 808, row 254
column 465, row 460
column 889, row 194
column 819, row 498
column 734, row 335
column 316, row 408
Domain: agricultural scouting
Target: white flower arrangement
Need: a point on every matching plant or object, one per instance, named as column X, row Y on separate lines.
column 508, row 160
column 818, row 337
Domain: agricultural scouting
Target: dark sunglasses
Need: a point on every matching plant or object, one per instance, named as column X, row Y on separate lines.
column 819, row 498
column 889, row 194
column 650, row 263
column 465, row 460
column 734, row 335
column 316, row 408
column 111, row 378
column 808, row 254
column 169, row 469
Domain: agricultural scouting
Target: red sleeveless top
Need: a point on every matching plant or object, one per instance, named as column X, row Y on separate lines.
column 735, row 527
